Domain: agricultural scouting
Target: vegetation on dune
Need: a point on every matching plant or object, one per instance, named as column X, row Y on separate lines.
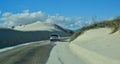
column 113, row 24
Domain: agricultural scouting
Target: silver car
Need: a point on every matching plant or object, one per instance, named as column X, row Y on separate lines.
column 55, row 37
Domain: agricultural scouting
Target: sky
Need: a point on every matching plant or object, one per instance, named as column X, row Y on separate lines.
column 67, row 13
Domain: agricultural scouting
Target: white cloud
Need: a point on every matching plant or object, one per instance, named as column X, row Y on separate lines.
column 25, row 11
column 57, row 19
column 6, row 14
column 67, row 22
column 9, row 19
column 111, row 18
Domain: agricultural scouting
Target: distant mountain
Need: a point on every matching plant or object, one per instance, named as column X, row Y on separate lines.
column 40, row 26
column 31, row 32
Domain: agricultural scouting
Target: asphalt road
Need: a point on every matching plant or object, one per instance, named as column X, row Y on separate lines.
column 28, row 54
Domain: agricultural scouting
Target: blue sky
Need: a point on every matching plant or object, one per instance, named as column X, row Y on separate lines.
column 102, row 9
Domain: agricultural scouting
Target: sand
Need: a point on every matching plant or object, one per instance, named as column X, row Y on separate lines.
column 97, row 46
column 36, row 26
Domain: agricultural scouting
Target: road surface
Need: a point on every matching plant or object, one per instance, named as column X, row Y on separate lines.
column 36, row 53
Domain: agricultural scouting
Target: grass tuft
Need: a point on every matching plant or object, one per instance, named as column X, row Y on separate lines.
column 113, row 24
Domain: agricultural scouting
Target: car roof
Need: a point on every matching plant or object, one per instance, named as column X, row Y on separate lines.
column 54, row 34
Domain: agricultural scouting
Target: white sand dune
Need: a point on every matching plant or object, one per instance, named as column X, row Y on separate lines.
column 97, row 46
column 36, row 26
column 29, row 33
column 41, row 26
